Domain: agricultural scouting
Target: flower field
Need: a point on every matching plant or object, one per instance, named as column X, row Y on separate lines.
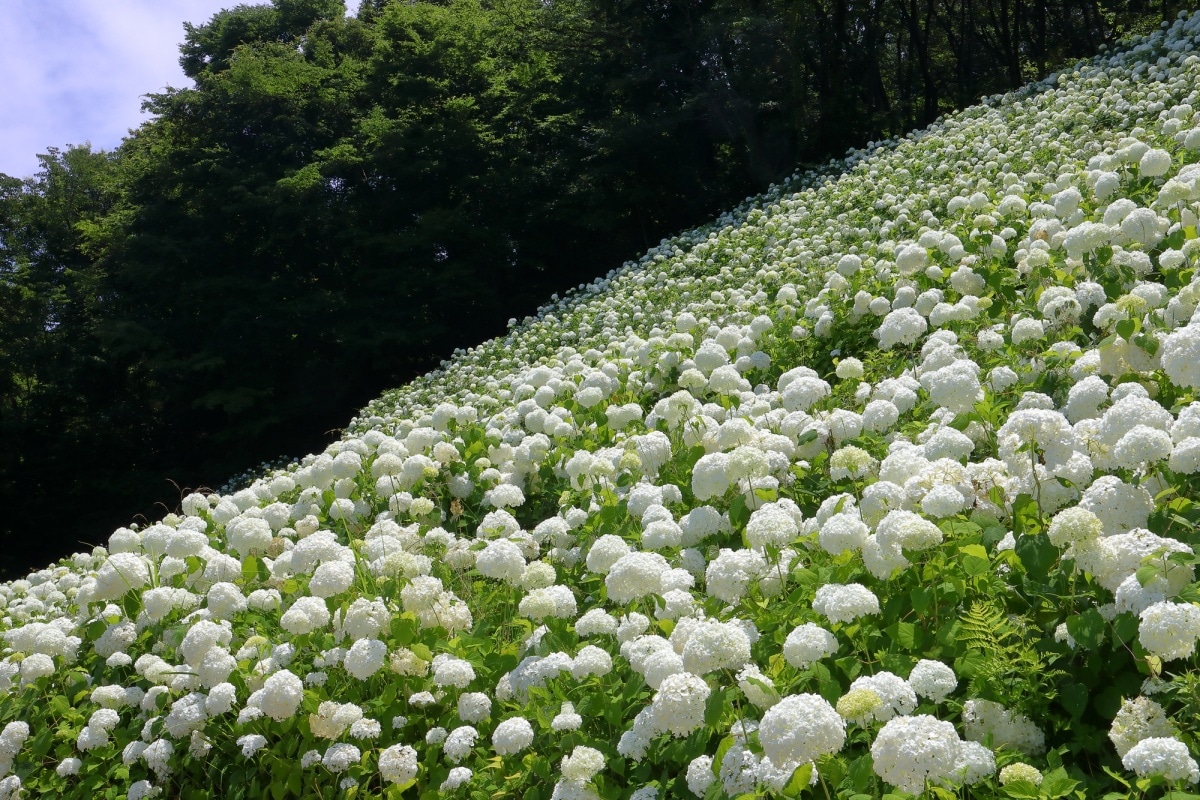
column 881, row 485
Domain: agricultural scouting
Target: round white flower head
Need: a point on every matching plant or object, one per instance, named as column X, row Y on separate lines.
column 119, row 574
column 904, row 326
column 1139, row 718
column 1154, row 163
column 605, row 552
column 591, row 660
column 808, row 643
column 1181, row 356
column 365, row 657
column 906, row 530
column 912, row 751
column 68, row 766
column 474, row 707
column 801, row 728
column 582, row 764
column 635, row 575
column 845, row 602
column 678, row 706
column 1020, row 772
column 596, row 621
column 306, row 615
column 456, row 778
column 859, row 705
column 340, row 757
column 700, row 775
column 332, row 719
column 138, row 790
column 1160, row 755
column 366, row 619
column 331, row 578
column 451, row 671
column 12, row 739
column 843, row 531
column 933, row 680
column 727, row 577
column 512, row 736
column 895, row 695
column 851, row 462
column 398, row 764
column 251, row 743
column 850, row 368
column 771, row 524
column 459, row 742
column 1170, row 630
column 281, row 695
column 1074, row 524
column 501, row 560
column 710, row 476
column 716, row 645
column 566, row 719
column 983, row 718
column 975, row 763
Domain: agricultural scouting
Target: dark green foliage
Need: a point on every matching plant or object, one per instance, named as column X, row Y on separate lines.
column 338, row 202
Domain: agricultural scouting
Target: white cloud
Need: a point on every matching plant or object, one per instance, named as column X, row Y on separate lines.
column 75, row 72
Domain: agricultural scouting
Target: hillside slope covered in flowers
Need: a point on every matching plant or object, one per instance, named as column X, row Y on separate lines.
column 879, row 486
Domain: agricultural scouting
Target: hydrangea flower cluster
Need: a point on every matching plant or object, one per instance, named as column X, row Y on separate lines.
column 859, row 474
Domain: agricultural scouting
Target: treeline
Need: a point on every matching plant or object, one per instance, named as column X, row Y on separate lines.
column 338, row 202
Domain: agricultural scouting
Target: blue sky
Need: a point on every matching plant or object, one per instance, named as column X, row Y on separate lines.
column 75, row 72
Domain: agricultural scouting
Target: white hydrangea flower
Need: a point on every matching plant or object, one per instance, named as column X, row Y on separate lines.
column 845, row 602
column 1138, row 719
column 1163, row 756
column 801, row 728
column 808, row 643
column 910, row 752
column 398, row 764
column 281, row 695
column 1170, row 630
column 512, row 736
column 932, row 680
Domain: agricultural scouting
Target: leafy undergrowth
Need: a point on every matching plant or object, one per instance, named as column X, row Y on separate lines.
column 878, row 486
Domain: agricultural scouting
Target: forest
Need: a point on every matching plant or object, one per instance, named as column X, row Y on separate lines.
column 339, row 201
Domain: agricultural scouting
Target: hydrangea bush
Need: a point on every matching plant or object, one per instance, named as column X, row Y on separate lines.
column 881, row 485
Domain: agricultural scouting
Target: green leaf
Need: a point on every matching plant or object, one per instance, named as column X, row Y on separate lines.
column 975, row 565
column 1074, row 698
column 862, row 773
column 1147, row 343
column 249, row 569
column 906, row 634
column 799, row 781
column 1057, row 783
column 1037, row 554
column 714, row 708
column 739, row 512
column 1087, row 629
column 1023, row 790
column 806, row 437
column 1125, row 629
column 1027, row 517
column 1126, row 329
column 404, row 630
column 722, row 749
column 922, row 599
